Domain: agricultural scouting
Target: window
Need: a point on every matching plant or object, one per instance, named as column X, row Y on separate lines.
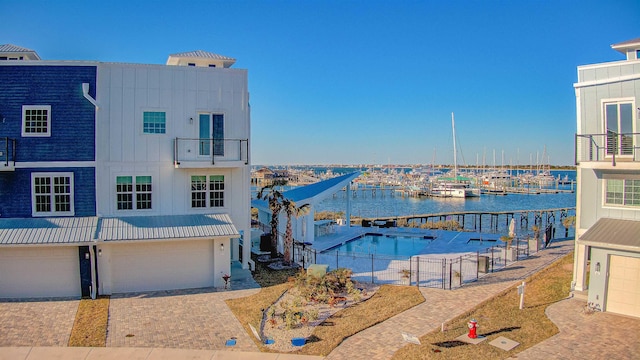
column 154, row 122
column 216, row 193
column 52, row 194
column 127, row 191
column 198, row 191
column 618, row 122
column 622, row 192
column 205, row 192
column 36, row 120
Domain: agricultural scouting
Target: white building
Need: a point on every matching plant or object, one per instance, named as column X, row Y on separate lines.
column 608, row 190
column 172, row 151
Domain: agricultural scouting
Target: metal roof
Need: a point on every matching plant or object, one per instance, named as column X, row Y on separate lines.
column 613, row 233
column 13, row 48
column 36, row 231
column 312, row 193
column 165, row 227
column 202, row 54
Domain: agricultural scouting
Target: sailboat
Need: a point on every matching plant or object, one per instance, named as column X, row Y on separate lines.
column 456, row 186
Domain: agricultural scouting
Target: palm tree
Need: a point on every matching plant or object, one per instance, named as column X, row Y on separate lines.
column 291, row 210
column 274, row 197
column 568, row 222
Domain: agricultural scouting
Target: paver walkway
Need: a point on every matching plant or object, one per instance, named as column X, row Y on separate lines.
column 587, row 335
column 383, row 340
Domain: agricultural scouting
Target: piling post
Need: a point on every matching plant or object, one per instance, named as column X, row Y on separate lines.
column 372, row 268
column 418, row 271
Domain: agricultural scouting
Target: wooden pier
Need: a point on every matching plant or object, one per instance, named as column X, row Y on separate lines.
column 473, row 220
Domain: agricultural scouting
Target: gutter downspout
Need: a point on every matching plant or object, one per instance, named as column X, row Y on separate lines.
column 85, row 92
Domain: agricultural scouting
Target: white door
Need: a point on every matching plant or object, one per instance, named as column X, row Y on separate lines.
column 162, row 265
column 623, row 290
column 52, row 271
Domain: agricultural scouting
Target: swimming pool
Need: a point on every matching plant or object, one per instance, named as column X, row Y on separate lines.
column 403, row 246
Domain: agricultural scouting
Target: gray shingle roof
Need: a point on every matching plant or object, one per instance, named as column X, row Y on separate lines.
column 202, row 54
column 613, row 233
column 165, row 227
column 31, row 231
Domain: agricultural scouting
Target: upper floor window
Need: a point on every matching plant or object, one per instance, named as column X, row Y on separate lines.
column 52, row 194
column 154, row 122
column 133, row 192
column 618, row 122
column 622, row 192
column 36, row 120
column 207, row 192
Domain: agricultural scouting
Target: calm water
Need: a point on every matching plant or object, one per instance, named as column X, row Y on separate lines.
column 386, row 203
column 384, row 245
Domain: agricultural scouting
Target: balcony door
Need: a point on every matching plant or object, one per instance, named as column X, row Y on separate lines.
column 211, row 134
column 619, row 125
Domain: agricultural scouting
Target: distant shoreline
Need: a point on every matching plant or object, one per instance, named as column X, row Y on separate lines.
column 445, row 166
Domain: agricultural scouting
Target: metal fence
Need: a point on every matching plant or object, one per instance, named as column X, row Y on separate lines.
column 424, row 270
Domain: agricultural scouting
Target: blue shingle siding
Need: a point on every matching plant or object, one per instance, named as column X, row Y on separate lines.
column 72, row 116
column 15, row 191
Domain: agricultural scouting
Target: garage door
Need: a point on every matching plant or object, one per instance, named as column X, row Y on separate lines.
column 39, row 272
column 162, row 266
column 623, row 292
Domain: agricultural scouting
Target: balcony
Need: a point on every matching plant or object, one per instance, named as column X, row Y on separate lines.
column 7, row 154
column 606, row 150
column 207, row 153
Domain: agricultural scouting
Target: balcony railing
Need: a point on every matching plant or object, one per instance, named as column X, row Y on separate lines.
column 7, row 154
column 610, row 147
column 198, row 153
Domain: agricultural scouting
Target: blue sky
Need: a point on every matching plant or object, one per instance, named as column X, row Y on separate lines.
column 363, row 82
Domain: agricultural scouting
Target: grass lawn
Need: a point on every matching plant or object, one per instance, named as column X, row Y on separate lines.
column 90, row 325
column 500, row 316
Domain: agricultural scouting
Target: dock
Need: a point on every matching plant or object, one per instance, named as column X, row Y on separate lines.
column 473, row 220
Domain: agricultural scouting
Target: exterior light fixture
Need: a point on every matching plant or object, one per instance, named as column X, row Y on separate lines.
column 190, row 120
column 99, row 252
column 597, row 268
column 221, row 247
column 86, row 256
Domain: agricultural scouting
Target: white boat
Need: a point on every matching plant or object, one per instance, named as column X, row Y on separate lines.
column 454, row 189
column 456, row 186
column 497, row 179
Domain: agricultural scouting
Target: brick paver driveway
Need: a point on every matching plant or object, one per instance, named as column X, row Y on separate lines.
column 37, row 322
column 185, row 319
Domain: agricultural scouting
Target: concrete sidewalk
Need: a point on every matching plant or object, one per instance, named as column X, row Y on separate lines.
column 107, row 353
